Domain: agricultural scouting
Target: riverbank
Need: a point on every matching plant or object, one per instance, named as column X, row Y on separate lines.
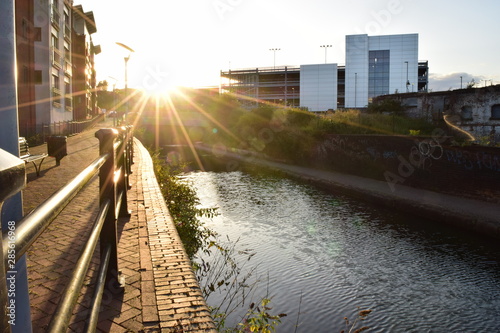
column 477, row 216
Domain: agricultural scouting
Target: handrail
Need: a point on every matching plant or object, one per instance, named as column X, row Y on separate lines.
column 33, row 224
column 64, row 310
column 113, row 166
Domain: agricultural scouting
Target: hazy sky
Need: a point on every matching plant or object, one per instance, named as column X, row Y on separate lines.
column 188, row 42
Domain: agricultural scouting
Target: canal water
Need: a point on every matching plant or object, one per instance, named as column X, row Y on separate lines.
column 319, row 256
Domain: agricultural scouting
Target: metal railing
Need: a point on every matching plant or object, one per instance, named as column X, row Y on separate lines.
column 36, row 134
column 113, row 166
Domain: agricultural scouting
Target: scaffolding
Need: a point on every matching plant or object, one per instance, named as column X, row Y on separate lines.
column 279, row 85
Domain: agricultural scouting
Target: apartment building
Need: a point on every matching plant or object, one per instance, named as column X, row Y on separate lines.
column 53, row 66
column 26, row 34
column 84, row 74
column 55, row 63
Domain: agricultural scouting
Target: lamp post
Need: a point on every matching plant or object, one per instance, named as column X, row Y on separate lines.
column 407, row 81
column 355, row 90
column 274, row 51
column 326, row 48
column 460, row 82
column 126, row 73
column 114, row 100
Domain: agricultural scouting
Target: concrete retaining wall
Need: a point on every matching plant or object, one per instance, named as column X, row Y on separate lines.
column 424, row 162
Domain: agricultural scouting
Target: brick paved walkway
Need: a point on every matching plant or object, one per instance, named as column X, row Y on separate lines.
column 161, row 293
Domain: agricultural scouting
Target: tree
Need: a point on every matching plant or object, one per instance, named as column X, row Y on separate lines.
column 386, row 105
column 105, row 98
column 471, row 84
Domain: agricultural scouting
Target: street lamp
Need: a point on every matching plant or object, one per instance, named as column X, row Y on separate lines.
column 407, row 81
column 114, row 99
column 274, row 51
column 355, row 90
column 326, row 48
column 460, row 82
column 126, row 73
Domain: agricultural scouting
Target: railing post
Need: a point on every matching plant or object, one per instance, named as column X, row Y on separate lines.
column 128, row 149
column 108, row 191
column 123, row 181
column 131, row 146
column 13, row 179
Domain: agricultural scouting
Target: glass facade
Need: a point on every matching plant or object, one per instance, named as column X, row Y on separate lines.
column 378, row 73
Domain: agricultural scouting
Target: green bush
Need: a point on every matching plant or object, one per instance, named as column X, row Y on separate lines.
column 387, row 105
column 182, row 203
column 265, row 112
column 299, row 118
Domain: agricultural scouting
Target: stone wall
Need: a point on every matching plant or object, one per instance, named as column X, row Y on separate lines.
column 469, row 109
column 431, row 163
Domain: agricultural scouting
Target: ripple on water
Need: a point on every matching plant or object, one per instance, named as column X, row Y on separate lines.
column 321, row 256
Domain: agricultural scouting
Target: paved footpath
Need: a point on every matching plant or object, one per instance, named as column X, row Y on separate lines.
column 161, row 293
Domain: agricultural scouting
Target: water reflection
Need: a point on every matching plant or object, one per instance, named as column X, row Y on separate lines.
column 327, row 254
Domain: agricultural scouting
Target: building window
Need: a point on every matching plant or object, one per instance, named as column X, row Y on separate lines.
column 67, row 53
column 55, row 41
column 66, row 16
column 38, row 77
column 466, row 113
column 378, row 73
column 67, row 85
column 55, row 82
column 495, row 112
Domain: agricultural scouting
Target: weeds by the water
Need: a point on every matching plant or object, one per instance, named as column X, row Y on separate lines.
column 222, row 274
column 183, row 204
column 351, row 327
column 258, row 318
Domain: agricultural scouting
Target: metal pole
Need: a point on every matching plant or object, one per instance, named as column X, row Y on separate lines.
column 126, row 86
column 355, row 89
column 274, row 51
column 126, row 75
column 107, row 191
column 326, row 48
column 407, row 81
column 9, row 141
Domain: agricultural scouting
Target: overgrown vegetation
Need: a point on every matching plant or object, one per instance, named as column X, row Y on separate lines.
column 291, row 134
column 391, row 106
column 183, row 204
column 352, row 327
column 222, row 274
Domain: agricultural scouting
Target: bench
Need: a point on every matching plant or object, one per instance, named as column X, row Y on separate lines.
column 24, row 154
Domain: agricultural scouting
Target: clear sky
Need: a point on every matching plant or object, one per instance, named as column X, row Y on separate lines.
column 188, row 42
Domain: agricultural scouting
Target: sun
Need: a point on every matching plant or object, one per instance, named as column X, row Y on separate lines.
column 158, row 83
column 160, row 90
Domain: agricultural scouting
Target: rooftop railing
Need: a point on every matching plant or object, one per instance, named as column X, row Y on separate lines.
column 113, row 167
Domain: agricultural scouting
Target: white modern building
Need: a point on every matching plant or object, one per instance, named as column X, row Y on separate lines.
column 318, row 86
column 379, row 65
column 375, row 65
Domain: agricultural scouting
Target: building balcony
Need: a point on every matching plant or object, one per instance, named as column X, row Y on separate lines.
column 56, row 92
column 56, row 58
column 55, row 17
column 68, row 69
column 56, row 97
column 68, row 104
column 67, row 32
